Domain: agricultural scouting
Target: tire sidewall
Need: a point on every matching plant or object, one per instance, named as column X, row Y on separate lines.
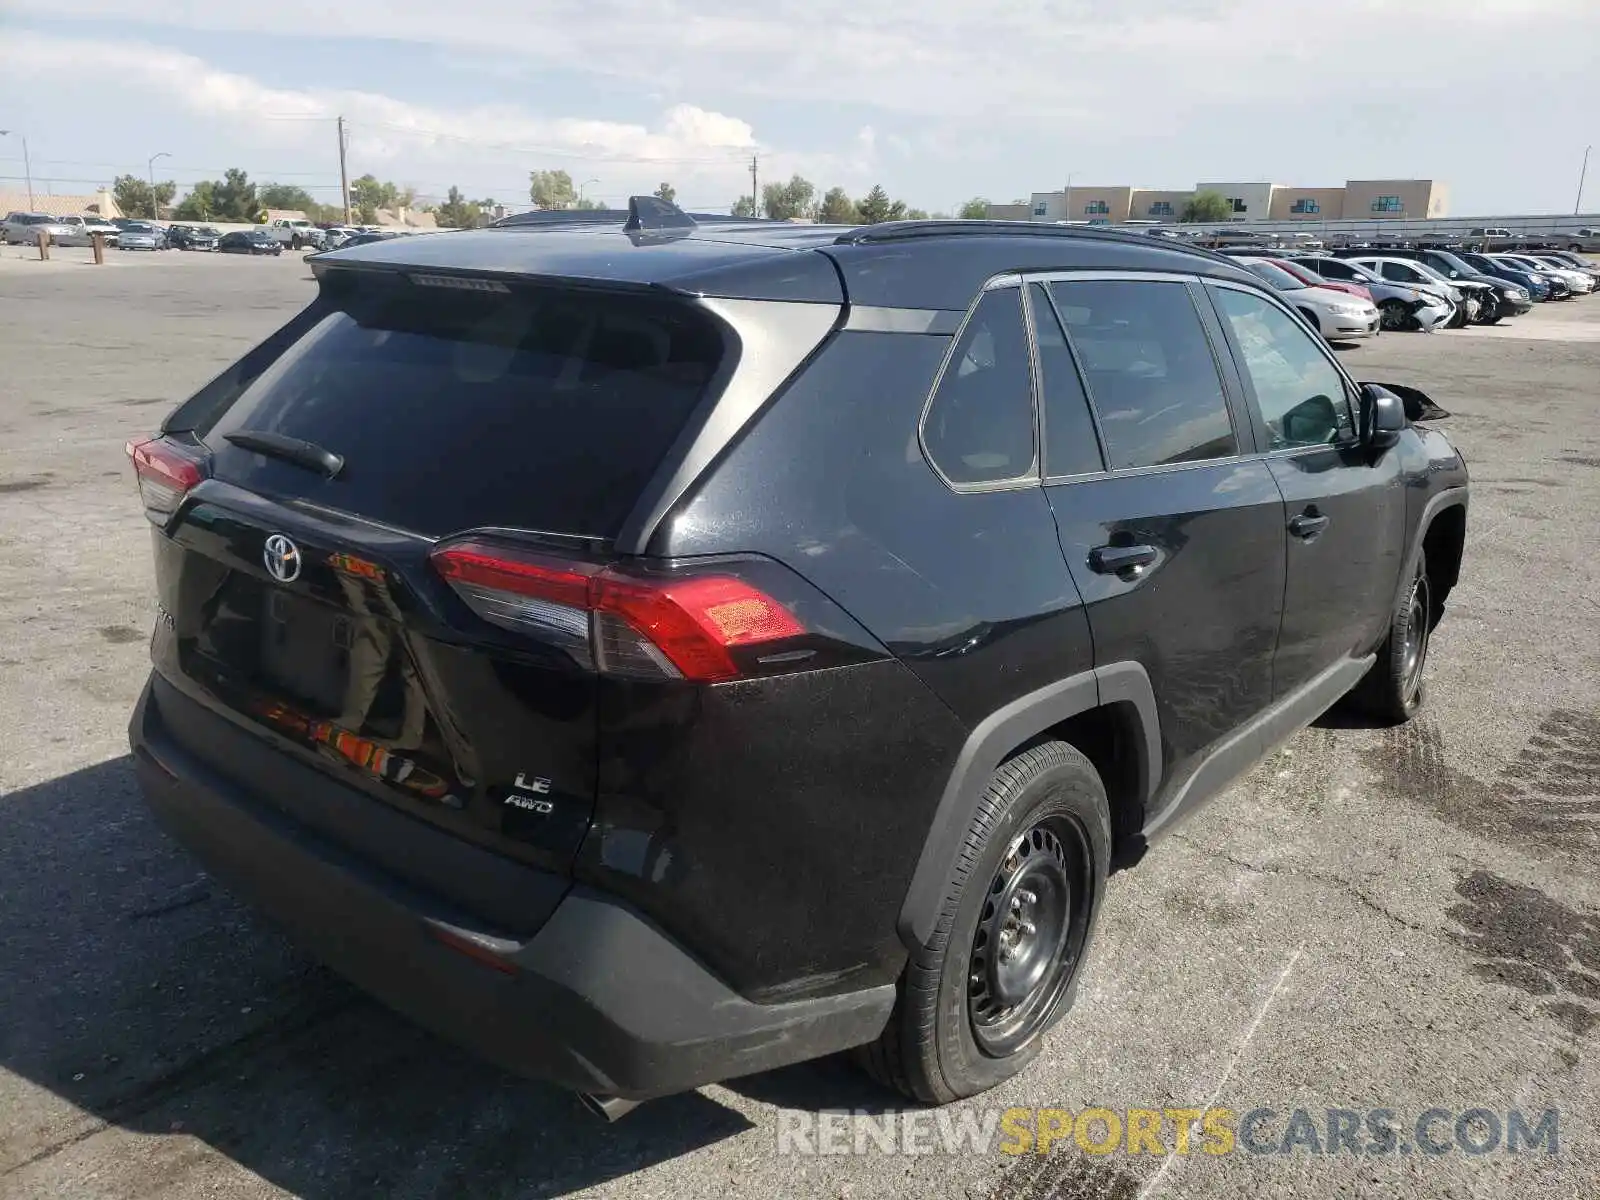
column 1068, row 787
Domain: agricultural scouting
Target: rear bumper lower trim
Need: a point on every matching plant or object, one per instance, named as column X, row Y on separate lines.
column 598, row 1000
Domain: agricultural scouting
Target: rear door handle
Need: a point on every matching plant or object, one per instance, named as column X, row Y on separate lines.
column 1118, row 560
column 1308, row 525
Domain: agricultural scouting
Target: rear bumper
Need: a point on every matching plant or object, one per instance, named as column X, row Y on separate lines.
column 597, row 1000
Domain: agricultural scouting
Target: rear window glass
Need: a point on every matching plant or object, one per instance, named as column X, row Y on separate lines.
column 453, row 409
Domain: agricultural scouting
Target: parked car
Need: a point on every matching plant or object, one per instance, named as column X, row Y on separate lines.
column 1512, row 298
column 337, row 235
column 193, row 237
column 1575, row 282
column 1575, row 261
column 252, row 241
column 1584, row 241
column 1539, row 287
column 1581, row 278
column 365, row 239
column 81, row 231
column 23, row 229
column 1337, row 315
column 1399, row 306
column 1312, row 279
column 1475, row 303
column 564, row 771
column 142, row 235
column 296, row 233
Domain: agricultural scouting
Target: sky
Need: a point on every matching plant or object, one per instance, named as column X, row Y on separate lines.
column 938, row 101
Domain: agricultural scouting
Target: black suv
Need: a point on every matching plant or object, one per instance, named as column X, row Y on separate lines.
column 656, row 652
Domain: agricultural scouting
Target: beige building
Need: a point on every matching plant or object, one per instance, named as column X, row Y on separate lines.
column 1393, row 199
column 1358, row 199
column 1148, row 204
column 1096, row 205
column 57, row 204
column 1307, row 204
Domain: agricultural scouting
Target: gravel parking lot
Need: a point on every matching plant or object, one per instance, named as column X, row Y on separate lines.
column 1394, row 919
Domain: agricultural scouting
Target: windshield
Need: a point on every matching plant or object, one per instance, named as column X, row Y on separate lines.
column 1427, row 271
column 1450, row 262
column 1276, row 276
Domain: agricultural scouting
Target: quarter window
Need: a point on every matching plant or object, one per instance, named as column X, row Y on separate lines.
column 979, row 427
column 1150, row 371
column 1300, row 393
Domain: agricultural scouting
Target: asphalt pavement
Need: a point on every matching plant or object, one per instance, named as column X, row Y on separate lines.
column 1403, row 919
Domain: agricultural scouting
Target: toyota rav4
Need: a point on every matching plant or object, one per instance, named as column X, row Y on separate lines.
column 656, row 652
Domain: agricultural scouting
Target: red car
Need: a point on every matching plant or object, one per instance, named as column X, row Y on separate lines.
column 1311, row 279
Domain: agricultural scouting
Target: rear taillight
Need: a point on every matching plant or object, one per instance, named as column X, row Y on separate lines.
column 165, row 473
column 660, row 626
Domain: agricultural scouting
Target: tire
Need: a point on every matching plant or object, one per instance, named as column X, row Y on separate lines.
column 1393, row 315
column 1490, row 310
column 1041, row 834
column 1394, row 691
column 1311, row 319
column 294, row 242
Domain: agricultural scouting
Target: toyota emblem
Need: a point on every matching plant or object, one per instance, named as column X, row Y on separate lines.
column 282, row 557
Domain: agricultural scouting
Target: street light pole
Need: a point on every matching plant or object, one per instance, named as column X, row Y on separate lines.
column 27, row 167
column 1066, row 198
column 583, row 185
column 1583, row 173
column 155, row 206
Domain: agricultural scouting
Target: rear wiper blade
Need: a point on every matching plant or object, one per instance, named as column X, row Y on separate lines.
column 301, row 453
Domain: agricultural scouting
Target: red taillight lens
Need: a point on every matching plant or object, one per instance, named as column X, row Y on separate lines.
column 165, row 474
column 659, row 627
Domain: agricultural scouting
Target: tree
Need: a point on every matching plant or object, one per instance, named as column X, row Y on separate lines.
column 457, row 212
column 976, row 209
column 876, row 207
column 838, row 209
column 286, row 196
column 199, row 205
column 135, row 199
column 783, row 201
column 667, row 193
column 916, row 214
column 368, row 195
column 551, row 189
column 744, row 206
column 1205, row 207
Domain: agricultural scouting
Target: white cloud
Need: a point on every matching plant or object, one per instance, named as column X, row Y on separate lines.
column 1010, row 60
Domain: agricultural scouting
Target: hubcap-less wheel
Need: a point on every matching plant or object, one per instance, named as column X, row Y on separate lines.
column 1392, row 315
column 1415, row 655
column 1029, row 936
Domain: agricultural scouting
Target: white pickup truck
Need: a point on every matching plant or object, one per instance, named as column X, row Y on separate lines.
column 295, row 232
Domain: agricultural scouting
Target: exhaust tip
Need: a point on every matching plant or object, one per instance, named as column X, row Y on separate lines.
column 608, row 1108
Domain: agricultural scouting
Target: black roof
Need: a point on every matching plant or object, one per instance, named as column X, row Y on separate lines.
column 904, row 264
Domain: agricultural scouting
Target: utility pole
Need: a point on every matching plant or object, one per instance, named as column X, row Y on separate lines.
column 755, row 193
column 1066, row 198
column 1583, row 173
column 344, row 177
column 155, row 205
column 27, row 167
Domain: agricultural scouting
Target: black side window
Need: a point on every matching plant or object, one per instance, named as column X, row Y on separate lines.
column 1070, row 444
column 1334, row 270
column 979, row 428
column 1300, row 393
column 1150, row 371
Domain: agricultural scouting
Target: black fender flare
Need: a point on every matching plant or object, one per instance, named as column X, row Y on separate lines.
column 989, row 744
column 1454, row 496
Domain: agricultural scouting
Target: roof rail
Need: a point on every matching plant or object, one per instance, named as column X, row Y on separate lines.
column 896, row 231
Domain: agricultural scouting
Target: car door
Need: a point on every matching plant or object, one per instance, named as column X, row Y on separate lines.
column 1170, row 523
column 1346, row 513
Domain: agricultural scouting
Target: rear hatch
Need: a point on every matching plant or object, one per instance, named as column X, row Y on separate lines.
column 302, row 504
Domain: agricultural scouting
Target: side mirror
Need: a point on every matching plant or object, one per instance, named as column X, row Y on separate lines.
column 1383, row 417
column 1418, row 405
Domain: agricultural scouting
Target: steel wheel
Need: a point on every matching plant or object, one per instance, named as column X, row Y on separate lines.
column 1029, row 936
column 1414, row 655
